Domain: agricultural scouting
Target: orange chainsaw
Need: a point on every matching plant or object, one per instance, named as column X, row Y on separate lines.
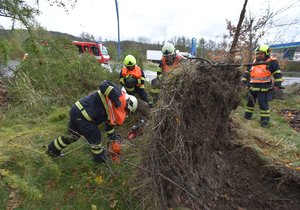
column 114, row 148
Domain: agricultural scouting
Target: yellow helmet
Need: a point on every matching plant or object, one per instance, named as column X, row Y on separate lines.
column 129, row 60
column 263, row 48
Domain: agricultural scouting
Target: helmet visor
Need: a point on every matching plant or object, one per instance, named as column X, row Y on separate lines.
column 128, row 104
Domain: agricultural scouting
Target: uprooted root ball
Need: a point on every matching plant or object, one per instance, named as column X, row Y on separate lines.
column 190, row 123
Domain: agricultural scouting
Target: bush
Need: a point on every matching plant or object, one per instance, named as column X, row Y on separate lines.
column 293, row 66
column 54, row 72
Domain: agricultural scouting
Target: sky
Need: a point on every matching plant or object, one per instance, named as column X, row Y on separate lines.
column 155, row 20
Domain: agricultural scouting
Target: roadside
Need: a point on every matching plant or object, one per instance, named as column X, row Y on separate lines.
column 7, row 70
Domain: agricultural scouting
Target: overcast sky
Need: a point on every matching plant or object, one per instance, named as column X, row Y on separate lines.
column 154, row 19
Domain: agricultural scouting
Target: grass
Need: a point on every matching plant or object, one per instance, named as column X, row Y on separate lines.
column 279, row 142
column 291, row 74
column 70, row 182
column 30, row 179
column 151, row 66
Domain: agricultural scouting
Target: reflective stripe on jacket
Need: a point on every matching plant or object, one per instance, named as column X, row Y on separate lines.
column 260, row 73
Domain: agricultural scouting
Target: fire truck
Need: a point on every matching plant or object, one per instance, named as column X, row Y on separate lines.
column 98, row 50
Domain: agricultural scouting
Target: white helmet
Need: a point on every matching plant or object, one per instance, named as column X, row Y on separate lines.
column 168, row 49
column 132, row 102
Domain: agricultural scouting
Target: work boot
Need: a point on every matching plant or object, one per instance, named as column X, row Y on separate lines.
column 101, row 158
column 264, row 124
column 54, row 155
column 53, row 152
column 247, row 117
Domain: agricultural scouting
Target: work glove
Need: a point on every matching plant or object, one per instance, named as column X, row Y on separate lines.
column 130, row 81
column 279, row 85
column 245, row 83
column 155, row 83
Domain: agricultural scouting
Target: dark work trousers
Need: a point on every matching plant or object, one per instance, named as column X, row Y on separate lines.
column 141, row 92
column 79, row 126
column 263, row 99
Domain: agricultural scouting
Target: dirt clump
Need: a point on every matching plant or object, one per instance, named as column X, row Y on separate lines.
column 193, row 157
column 3, row 95
column 292, row 117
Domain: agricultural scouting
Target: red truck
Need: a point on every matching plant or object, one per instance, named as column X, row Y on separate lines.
column 98, row 50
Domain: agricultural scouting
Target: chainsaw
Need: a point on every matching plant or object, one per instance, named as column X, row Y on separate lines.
column 137, row 129
column 114, row 148
column 115, row 145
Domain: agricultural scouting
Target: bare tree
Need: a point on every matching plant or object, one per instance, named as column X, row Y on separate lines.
column 257, row 26
column 143, row 40
column 87, row 36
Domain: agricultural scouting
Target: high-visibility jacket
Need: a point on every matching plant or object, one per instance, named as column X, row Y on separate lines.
column 117, row 115
column 136, row 72
column 166, row 67
column 100, row 105
column 259, row 77
column 260, row 73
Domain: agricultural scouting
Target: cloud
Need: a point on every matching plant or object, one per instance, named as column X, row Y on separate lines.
column 155, row 19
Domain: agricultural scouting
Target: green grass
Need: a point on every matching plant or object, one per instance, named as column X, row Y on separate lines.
column 151, row 66
column 70, row 182
column 279, row 142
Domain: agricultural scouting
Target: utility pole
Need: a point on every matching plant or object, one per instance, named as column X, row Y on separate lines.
column 119, row 44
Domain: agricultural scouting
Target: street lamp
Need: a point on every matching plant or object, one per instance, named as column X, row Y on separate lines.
column 119, row 45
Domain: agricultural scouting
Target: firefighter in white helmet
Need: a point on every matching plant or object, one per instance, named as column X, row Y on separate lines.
column 109, row 105
column 169, row 58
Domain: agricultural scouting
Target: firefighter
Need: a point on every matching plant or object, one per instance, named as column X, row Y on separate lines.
column 109, row 105
column 169, row 59
column 132, row 77
column 258, row 79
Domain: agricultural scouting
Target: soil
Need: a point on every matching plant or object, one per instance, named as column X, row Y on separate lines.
column 3, row 95
column 292, row 117
column 194, row 159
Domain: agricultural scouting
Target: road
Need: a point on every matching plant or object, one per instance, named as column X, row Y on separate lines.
column 150, row 75
column 290, row 80
column 7, row 70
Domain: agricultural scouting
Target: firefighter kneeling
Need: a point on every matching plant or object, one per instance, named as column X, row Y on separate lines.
column 109, row 105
